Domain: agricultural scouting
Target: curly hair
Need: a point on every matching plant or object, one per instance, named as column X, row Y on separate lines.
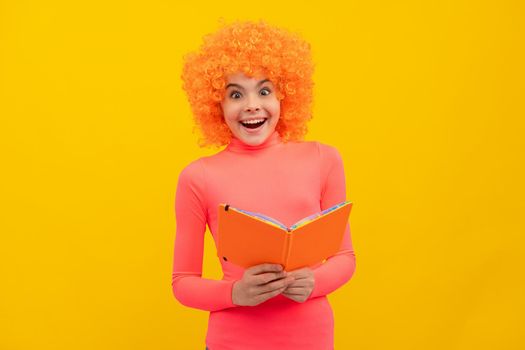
column 255, row 49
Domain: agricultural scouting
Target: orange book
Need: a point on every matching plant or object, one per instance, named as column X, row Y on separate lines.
column 247, row 238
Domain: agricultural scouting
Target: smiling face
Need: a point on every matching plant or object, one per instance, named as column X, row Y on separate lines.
column 251, row 108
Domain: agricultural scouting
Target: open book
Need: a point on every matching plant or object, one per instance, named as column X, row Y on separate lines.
column 247, row 238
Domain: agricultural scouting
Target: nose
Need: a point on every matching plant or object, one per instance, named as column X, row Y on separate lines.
column 252, row 104
column 252, row 109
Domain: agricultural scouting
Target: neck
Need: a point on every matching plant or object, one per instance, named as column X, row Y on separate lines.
column 236, row 145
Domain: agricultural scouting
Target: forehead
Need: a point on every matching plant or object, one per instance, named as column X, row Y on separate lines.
column 242, row 79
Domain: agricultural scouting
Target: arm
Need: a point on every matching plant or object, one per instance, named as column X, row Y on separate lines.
column 188, row 286
column 338, row 269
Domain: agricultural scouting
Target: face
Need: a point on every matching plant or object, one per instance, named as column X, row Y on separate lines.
column 251, row 108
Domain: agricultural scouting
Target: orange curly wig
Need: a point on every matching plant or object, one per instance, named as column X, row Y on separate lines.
column 255, row 49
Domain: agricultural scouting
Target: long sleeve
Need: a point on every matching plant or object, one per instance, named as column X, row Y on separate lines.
column 188, row 286
column 338, row 269
column 307, row 176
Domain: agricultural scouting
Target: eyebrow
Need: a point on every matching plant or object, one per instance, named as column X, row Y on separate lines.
column 240, row 87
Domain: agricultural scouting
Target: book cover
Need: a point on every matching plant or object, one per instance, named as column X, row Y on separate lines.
column 247, row 238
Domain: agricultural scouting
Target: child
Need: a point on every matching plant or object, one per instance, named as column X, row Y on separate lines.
column 250, row 88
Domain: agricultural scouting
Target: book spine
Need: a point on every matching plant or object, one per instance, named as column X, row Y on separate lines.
column 287, row 248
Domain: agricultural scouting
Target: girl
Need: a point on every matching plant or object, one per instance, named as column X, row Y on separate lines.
column 250, row 88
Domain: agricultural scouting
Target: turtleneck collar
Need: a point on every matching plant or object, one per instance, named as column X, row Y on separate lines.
column 236, row 145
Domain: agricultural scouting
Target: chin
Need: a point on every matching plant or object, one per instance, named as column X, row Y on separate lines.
column 254, row 140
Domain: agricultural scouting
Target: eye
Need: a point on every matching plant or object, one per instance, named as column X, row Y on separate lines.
column 265, row 91
column 235, row 94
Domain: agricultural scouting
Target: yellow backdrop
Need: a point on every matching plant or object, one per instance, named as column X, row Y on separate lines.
column 424, row 99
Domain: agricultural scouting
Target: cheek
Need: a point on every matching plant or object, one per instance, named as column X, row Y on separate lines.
column 276, row 110
column 227, row 111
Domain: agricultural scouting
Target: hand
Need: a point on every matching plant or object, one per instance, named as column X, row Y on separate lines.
column 259, row 283
column 300, row 289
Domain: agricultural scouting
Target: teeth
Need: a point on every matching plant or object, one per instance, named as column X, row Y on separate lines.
column 254, row 121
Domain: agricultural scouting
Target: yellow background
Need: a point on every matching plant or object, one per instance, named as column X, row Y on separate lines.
column 424, row 100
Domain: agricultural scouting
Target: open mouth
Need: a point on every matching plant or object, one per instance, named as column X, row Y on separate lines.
column 254, row 124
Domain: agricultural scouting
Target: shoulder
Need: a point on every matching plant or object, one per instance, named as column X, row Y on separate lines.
column 193, row 172
column 327, row 153
column 314, row 145
column 303, row 146
column 330, row 158
column 204, row 164
column 327, row 149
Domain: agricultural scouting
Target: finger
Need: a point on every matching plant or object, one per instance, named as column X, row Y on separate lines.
column 301, row 283
column 298, row 274
column 265, row 296
column 296, row 298
column 298, row 277
column 281, row 283
column 268, row 277
column 300, row 270
column 293, row 286
column 298, row 294
column 303, row 273
column 263, row 268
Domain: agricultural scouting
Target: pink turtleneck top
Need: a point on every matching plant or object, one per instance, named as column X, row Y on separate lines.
column 284, row 180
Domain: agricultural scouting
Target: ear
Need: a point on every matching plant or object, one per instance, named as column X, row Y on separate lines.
column 218, row 95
